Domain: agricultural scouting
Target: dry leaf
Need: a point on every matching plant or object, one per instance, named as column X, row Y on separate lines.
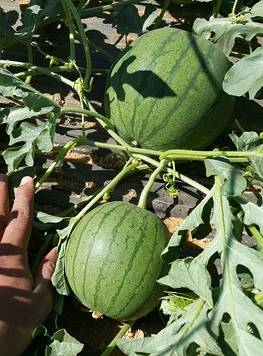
column 23, row 2
column 173, row 224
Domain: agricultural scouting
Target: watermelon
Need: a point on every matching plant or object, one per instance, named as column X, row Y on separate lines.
column 166, row 91
column 112, row 260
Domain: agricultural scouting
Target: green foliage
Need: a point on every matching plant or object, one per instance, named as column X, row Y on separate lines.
column 63, row 344
column 128, row 19
column 246, row 75
column 208, row 316
column 251, row 141
column 31, row 17
column 224, row 32
column 26, row 137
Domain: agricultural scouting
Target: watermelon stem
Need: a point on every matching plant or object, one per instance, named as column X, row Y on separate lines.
column 217, row 7
column 146, row 190
column 111, row 346
column 60, row 156
column 160, row 17
column 178, row 175
column 233, row 156
column 108, row 188
column 84, row 41
column 257, row 235
column 233, row 12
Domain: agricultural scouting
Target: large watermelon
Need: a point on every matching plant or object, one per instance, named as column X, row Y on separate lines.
column 166, row 91
column 113, row 260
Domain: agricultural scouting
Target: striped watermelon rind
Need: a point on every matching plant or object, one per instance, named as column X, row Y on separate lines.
column 112, row 260
column 166, row 91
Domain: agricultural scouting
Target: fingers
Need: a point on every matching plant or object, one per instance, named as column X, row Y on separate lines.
column 46, row 269
column 42, row 286
column 18, row 229
column 4, row 203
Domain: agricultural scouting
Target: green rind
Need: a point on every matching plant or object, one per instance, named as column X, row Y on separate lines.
column 166, row 91
column 113, row 260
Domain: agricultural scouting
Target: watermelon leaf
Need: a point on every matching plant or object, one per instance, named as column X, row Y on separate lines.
column 26, row 137
column 63, row 344
column 223, row 32
column 246, row 75
column 248, row 141
column 128, row 19
column 194, row 219
column 253, row 214
column 59, row 278
column 190, row 273
column 46, row 218
column 257, row 9
column 189, row 328
column 233, row 181
column 31, row 17
column 226, row 312
column 232, row 301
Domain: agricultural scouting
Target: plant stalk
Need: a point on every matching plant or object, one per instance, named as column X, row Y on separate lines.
column 30, row 60
column 109, row 187
column 160, row 17
column 257, row 235
column 178, row 175
column 114, row 341
column 217, row 7
column 34, row 70
column 234, row 7
column 179, row 154
column 84, row 41
column 62, row 153
column 146, row 190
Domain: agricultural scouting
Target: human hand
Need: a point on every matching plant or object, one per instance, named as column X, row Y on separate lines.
column 25, row 301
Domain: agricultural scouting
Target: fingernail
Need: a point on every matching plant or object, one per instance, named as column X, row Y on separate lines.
column 2, row 177
column 25, row 180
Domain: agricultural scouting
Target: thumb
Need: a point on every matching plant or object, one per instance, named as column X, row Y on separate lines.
column 45, row 270
column 42, row 286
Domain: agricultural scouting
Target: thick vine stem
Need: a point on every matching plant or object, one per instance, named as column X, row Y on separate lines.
column 35, row 70
column 38, row 70
column 62, row 153
column 111, row 346
column 171, row 155
column 104, row 121
column 53, row 74
column 146, row 190
column 237, row 156
column 124, row 146
column 129, row 149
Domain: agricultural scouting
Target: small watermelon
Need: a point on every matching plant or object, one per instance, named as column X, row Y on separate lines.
column 166, row 91
column 112, row 260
